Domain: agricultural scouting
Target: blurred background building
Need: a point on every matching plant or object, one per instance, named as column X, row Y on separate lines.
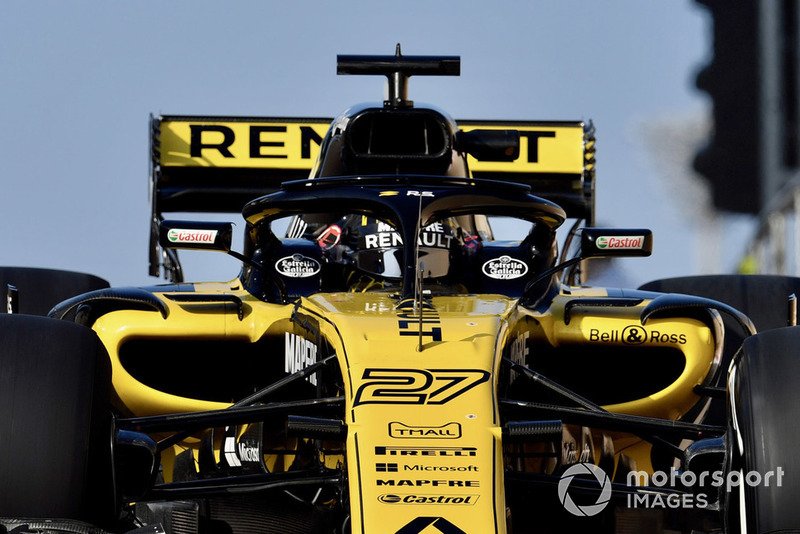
column 751, row 163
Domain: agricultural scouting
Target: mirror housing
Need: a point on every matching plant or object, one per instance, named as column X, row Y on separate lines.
column 193, row 235
column 616, row 242
column 489, row 145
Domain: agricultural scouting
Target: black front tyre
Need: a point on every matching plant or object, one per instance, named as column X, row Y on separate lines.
column 764, row 433
column 55, row 422
column 41, row 289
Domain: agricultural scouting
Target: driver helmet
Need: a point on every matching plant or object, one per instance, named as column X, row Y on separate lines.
column 373, row 249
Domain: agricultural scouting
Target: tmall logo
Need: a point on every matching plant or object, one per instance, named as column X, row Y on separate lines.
column 584, row 470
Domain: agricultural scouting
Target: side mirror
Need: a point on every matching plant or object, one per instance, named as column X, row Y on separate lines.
column 193, row 235
column 489, row 145
column 599, row 243
column 196, row 235
column 616, row 242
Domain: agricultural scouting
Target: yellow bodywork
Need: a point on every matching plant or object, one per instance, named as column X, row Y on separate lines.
column 424, row 430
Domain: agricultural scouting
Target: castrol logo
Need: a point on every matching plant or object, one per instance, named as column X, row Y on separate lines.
column 176, row 235
column 622, row 242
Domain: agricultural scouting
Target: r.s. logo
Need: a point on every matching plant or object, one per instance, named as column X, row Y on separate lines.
column 416, row 386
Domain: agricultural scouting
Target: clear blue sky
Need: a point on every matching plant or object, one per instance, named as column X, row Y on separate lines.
column 80, row 78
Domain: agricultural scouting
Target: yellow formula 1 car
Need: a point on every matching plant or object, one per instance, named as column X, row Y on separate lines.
column 388, row 361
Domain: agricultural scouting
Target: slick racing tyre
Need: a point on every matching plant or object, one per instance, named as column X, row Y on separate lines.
column 41, row 289
column 763, row 434
column 55, row 422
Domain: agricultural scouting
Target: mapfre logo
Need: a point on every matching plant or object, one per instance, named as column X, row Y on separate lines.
column 416, row 386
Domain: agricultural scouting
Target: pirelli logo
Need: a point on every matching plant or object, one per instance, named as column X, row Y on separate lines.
column 426, row 451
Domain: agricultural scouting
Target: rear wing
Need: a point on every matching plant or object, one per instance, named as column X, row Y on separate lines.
column 218, row 164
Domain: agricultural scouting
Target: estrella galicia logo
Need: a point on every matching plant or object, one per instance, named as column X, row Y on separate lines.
column 634, row 335
column 584, row 469
column 297, row 266
column 505, row 268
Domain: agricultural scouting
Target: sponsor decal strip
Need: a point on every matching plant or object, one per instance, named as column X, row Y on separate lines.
column 299, row 353
column 425, row 451
column 636, row 335
column 448, row 431
column 176, row 235
column 381, row 467
column 412, row 498
column 432, row 483
column 230, row 452
column 505, row 268
column 621, row 242
column 297, row 266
